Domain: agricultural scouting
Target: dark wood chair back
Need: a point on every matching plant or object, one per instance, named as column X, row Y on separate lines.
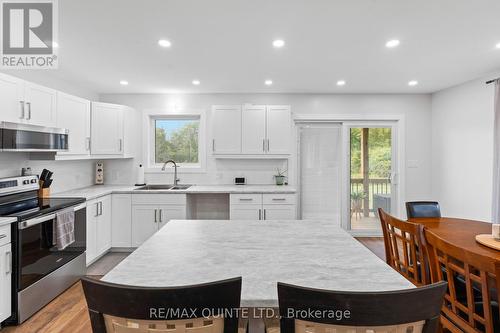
column 322, row 311
column 418, row 209
column 405, row 248
column 115, row 308
column 479, row 311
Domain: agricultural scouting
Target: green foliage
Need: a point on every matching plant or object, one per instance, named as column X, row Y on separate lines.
column 180, row 145
column 379, row 148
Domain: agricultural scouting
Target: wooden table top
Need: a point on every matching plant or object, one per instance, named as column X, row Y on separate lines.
column 461, row 233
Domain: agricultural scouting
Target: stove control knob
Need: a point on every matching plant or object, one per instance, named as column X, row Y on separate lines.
column 33, row 181
column 26, row 182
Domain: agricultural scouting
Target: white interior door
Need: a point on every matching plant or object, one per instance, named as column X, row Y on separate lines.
column 320, row 171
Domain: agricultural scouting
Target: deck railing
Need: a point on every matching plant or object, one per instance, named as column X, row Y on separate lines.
column 375, row 185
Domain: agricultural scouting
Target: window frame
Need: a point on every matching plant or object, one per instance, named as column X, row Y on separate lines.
column 183, row 167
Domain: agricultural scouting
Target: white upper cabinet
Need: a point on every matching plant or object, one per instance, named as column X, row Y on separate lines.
column 278, row 129
column 73, row 113
column 107, row 129
column 226, row 130
column 25, row 102
column 253, row 129
column 40, row 105
column 11, row 99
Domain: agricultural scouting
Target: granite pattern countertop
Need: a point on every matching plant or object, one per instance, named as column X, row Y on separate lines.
column 96, row 191
column 7, row 220
column 315, row 254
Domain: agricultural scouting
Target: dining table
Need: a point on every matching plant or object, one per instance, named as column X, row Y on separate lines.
column 461, row 233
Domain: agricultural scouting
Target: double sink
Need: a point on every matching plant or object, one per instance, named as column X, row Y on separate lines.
column 163, row 187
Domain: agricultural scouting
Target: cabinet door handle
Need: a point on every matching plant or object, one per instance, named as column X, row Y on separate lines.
column 279, row 199
column 260, row 214
column 268, row 145
column 29, row 110
column 160, row 210
column 100, row 205
column 8, row 260
column 121, row 144
column 156, row 220
column 96, row 209
column 22, row 110
column 246, row 199
column 263, row 145
column 3, row 236
column 264, row 214
column 213, row 144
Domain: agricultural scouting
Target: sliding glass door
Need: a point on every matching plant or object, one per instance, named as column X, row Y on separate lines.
column 320, row 170
column 371, row 176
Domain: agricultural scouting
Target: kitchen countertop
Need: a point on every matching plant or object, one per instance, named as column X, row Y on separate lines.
column 7, row 220
column 311, row 253
column 96, row 191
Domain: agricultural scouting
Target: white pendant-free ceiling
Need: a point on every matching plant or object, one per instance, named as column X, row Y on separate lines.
column 230, row 45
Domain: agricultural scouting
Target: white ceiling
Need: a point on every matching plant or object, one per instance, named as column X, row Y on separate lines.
column 227, row 45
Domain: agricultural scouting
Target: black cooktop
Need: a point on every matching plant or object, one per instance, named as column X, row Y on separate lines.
column 28, row 207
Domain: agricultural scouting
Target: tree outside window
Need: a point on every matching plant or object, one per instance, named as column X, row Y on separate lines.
column 176, row 139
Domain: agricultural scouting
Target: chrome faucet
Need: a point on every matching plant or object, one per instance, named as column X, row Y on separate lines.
column 176, row 180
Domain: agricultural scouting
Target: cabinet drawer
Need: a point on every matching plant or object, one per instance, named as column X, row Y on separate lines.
column 5, row 234
column 245, row 199
column 279, row 199
column 158, row 199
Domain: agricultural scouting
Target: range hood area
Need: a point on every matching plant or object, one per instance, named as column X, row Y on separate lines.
column 16, row 137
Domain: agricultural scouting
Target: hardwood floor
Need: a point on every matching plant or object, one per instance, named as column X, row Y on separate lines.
column 68, row 312
column 375, row 244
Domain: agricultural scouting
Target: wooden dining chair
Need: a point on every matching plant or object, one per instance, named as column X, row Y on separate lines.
column 405, row 248
column 419, row 209
column 306, row 310
column 479, row 310
column 204, row 308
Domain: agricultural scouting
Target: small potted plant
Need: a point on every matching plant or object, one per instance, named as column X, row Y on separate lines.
column 280, row 177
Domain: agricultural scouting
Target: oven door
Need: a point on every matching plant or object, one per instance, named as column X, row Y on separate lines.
column 37, row 254
column 23, row 137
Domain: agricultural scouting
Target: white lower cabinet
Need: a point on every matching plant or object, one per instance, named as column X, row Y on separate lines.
column 263, row 207
column 150, row 212
column 5, row 280
column 121, row 224
column 98, row 227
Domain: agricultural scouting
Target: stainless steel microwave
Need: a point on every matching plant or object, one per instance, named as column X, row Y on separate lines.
column 32, row 138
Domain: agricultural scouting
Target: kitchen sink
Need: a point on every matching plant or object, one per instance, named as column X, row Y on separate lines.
column 162, row 187
column 181, row 187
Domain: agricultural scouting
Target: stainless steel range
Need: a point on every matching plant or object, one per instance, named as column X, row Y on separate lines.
column 41, row 271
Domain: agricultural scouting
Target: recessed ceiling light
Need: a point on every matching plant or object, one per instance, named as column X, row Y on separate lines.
column 413, row 83
column 278, row 43
column 341, row 83
column 268, row 82
column 497, row 46
column 392, row 43
column 124, row 83
column 164, row 43
column 196, row 82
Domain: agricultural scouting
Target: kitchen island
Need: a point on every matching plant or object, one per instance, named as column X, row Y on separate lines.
column 309, row 253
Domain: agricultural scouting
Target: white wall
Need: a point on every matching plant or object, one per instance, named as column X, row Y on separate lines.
column 462, row 150
column 415, row 108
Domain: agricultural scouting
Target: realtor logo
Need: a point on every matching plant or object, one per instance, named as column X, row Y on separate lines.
column 29, row 34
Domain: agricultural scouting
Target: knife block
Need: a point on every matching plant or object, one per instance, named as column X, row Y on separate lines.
column 43, row 192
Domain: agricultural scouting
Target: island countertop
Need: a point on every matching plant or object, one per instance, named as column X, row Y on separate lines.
column 315, row 254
